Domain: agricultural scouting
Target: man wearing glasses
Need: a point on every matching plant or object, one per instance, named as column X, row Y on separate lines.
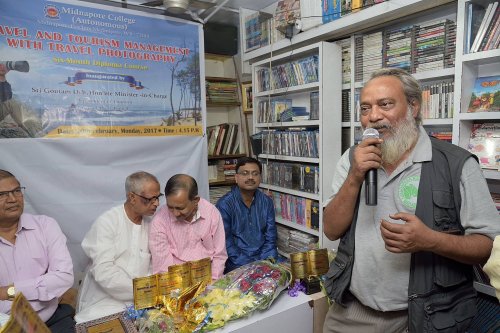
column 248, row 216
column 117, row 245
column 187, row 228
column 34, row 259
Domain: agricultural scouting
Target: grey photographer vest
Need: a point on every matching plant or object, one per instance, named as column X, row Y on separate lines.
column 441, row 297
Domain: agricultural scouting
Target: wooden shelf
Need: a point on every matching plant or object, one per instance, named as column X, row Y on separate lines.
column 222, row 183
column 219, row 79
column 221, row 104
column 221, row 157
column 217, row 57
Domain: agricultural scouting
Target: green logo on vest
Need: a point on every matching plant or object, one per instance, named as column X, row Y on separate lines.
column 408, row 191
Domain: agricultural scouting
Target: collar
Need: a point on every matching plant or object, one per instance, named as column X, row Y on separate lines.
column 423, row 149
column 195, row 218
column 26, row 223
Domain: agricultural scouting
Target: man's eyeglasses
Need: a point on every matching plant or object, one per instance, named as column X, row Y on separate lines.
column 150, row 200
column 17, row 192
column 248, row 173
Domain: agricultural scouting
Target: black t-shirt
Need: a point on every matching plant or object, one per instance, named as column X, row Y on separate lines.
column 5, row 91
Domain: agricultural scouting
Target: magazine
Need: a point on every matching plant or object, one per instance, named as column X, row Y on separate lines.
column 485, row 95
column 485, row 144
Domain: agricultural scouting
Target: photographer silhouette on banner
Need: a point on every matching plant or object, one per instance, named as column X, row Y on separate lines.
column 22, row 121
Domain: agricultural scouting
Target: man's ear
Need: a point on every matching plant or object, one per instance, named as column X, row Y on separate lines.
column 415, row 108
column 196, row 199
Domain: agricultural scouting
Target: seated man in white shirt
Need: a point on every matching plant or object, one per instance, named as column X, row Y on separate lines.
column 117, row 245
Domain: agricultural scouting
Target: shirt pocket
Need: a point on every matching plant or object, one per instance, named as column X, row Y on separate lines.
column 207, row 242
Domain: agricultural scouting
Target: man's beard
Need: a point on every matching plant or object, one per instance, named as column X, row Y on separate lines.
column 403, row 135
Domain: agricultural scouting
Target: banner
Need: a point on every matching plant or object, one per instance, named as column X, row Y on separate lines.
column 98, row 92
column 70, row 70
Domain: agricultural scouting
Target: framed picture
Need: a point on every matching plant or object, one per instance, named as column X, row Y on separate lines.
column 115, row 323
column 246, row 93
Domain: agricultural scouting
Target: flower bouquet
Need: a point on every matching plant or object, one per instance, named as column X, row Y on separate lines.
column 240, row 292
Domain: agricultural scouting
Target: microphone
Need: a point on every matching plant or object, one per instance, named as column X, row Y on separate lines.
column 371, row 175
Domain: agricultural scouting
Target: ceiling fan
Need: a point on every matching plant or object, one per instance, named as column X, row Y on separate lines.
column 180, row 6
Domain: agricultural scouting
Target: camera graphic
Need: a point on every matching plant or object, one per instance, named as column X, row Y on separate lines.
column 20, row 66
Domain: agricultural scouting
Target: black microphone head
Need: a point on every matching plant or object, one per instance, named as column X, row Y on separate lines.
column 370, row 133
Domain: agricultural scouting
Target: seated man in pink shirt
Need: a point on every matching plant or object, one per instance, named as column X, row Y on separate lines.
column 34, row 259
column 187, row 228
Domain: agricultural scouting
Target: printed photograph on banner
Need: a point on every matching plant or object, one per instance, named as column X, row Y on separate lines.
column 77, row 69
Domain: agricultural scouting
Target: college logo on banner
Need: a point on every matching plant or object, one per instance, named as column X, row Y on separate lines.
column 70, row 69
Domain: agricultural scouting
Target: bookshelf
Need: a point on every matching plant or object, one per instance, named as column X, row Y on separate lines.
column 300, row 147
column 390, row 15
column 345, row 26
column 469, row 66
column 383, row 45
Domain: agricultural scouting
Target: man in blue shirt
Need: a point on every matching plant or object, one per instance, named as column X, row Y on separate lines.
column 248, row 216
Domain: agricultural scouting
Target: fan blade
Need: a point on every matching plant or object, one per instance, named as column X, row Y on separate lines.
column 155, row 3
column 196, row 4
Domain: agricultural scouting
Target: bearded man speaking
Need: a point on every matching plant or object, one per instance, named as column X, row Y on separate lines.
column 405, row 264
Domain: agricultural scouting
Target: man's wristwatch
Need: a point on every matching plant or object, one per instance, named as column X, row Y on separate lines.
column 11, row 292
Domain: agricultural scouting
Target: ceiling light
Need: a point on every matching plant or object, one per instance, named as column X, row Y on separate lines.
column 176, row 6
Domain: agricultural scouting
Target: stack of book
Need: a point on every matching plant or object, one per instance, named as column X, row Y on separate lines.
column 291, row 241
column 222, row 92
column 434, row 45
column 269, row 111
column 346, row 63
column 485, row 144
column 368, row 55
column 346, row 105
column 398, row 46
column 299, row 210
column 260, row 30
column 314, row 104
column 294, row 176
column 335, row 9
column 441, row 135
column 217, row 192
column 215, row 171
column 222, row 139
column 297, row 142
column 483, row 31
column 289, row 74
column 229, row 168
column 437, row 100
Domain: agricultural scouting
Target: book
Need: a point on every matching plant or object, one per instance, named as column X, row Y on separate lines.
column 485, row 144
column 494, row 34
column 488, row 16
column 475, row 14
column 485, row 95
column 489, row 31
column 356, row 5
column 149, row 290
column 23, row 318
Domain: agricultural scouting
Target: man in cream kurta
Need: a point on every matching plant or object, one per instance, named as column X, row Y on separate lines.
column 117, row 245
